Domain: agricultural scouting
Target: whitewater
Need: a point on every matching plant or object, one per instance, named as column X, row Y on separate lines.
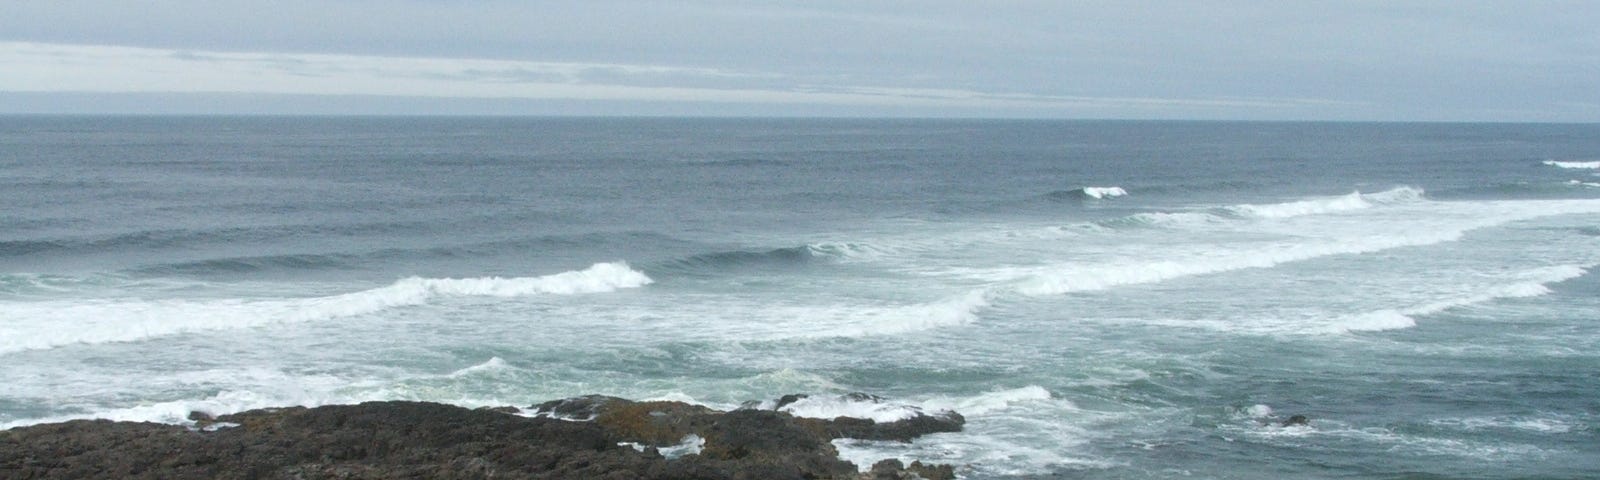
column 1097, row 299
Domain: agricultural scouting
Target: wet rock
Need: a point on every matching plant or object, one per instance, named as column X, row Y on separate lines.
column 381, row 440
column 509, row 410
column 657, row 424
column 899, row 430
column 1297, row 420
column 785, row 400
column 893, row 469
column 575, row 408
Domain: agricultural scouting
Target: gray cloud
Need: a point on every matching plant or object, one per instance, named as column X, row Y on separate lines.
column 1427, row 60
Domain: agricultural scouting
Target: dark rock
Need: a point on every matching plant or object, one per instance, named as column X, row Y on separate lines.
column 1297, row 420
column 904, row 430
column 785, row 400
column 863, row 397
column 892, row 469
column 657, row 424
column 932, row 472
column 575, row 408
column 510, row 410
column 899, row 430
column 382, row 440
column 782, row 447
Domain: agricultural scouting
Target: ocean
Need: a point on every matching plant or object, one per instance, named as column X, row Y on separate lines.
column 1100, row 299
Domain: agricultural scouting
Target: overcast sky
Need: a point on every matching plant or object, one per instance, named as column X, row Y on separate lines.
column 1275, row 60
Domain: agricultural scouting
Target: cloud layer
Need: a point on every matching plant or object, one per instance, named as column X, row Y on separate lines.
column 1423, row 60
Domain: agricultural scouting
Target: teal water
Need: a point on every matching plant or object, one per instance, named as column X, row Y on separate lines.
column 1099, row 299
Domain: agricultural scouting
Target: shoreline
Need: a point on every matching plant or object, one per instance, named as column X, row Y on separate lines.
column 582, row 437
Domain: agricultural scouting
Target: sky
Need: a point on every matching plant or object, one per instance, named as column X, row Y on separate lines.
column 1411, row 60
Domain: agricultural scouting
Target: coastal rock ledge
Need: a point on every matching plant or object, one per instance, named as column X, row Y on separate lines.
column 590, row 437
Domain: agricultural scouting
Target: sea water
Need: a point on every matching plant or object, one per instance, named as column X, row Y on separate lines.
column 1099, row 299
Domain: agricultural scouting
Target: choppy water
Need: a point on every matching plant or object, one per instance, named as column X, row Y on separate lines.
column 1100, row 299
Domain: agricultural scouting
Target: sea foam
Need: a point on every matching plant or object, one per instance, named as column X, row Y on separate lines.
column 1315, row 206
column 1077, row 277
column 1573, row 165
column 1533, row 284
column 1103, row 192
column 49, row 324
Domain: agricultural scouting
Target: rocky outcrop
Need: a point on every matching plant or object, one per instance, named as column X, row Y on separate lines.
column 616, row 438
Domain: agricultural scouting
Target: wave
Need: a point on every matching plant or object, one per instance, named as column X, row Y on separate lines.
column 355, row 260
column 490, row 366
column 1075, row 278
column 43, row 325
column 1060, row 279
column 737, row 259
column 1573, row 165
column 1087, row 193
column 178, row 239
column 1534, row 284
column 1582, row 183
column 953, row 311
column 1352, row 201
column 1299, row 208
column 252, row 264
column 787, row 257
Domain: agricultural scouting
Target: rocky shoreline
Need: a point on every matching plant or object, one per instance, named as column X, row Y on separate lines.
column 591, row 437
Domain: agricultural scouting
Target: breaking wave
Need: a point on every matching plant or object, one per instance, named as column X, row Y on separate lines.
column 1086, row 193
column 1574, row 165
column 1534, row 284
column 1075, row 278
column 1352, row 201
column 41, row 325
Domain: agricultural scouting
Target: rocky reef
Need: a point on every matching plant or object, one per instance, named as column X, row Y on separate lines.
column 592, row 437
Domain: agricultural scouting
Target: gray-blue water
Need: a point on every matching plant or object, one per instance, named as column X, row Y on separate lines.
column 1100, row 299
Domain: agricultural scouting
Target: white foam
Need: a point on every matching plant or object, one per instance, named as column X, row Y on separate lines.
column 50, row 324
column 842, row 406
column 1103, row 192
column 848, row 250
column 1533, row 284
column 1583, row 183
column 599, row 278
column 1079, row 278
column 1453, row 221
column 1258, row 411
column 1316, row 206
column 494, row 364
column 1574, row 165
column 1535, row 425
column 1376, row 321
column 691, row 445
column 991, row 402
column 952, row 311
column 177, row 411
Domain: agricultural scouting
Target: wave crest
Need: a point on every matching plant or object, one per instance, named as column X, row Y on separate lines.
column 1316, row 206
column 1573, row 165
column 51, row 324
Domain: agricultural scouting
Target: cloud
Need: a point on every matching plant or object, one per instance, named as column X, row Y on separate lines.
column 41, row 67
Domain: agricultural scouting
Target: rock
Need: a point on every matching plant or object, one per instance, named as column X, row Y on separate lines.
column 509, row 410
column 576, row 408
column 381, row 440
column 657, row 424
column 892, row 469
column 899, row 430
column 1297, row 420
column 904, row 430
column 932, row 472
column 785, row 400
